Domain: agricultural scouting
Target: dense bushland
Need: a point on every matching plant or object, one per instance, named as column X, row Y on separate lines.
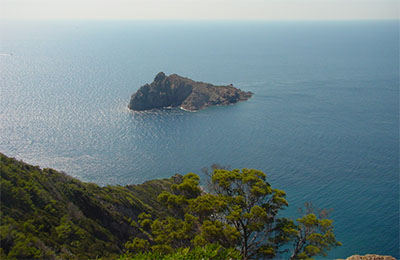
column 47, row 214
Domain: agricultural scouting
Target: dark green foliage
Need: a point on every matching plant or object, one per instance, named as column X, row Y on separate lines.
column 315, row 234
column 46, row 214
column 208, row 252
column 239, row 212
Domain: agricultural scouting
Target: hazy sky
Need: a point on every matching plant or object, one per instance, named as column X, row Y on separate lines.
column 200, row 9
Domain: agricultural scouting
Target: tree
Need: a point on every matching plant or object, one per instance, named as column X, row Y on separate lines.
column 239, row 212
column 315, row 234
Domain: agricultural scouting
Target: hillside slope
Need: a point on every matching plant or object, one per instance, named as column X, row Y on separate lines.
column 48, row 214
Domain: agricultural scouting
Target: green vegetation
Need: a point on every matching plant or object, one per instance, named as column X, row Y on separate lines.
column 208, row 252
column 46, row 214
column 239, row 213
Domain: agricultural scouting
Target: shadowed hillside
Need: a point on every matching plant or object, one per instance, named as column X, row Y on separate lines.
column 46, row 213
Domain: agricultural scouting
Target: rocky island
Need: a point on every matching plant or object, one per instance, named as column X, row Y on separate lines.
column 176, row 91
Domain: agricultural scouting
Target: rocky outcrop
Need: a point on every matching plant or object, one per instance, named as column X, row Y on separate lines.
column 177, row 91
column 369, row 257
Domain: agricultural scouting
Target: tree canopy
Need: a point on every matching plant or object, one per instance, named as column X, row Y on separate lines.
column 239, row 212
column 45, row 214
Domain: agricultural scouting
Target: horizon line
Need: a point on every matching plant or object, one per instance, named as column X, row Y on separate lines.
column 200, row 20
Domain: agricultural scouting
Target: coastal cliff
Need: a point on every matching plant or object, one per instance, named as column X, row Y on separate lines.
column 46, row 214
column 177, row 91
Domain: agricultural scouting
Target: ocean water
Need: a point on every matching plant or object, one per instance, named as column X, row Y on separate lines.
column 323, row 122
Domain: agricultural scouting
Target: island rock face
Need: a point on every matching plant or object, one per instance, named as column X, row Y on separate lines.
column 177, row 91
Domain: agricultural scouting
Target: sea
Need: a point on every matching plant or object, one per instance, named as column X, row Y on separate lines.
column 323, row 123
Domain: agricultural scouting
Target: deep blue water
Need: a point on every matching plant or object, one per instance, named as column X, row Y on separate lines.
column 323, row 123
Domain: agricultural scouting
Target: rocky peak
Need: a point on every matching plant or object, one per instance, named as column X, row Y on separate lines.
column 177, row 91
column 160, row 77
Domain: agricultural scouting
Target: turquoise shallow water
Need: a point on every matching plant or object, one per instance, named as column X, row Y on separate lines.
column 323, row 122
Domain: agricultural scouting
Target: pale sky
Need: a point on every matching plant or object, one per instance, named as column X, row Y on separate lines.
column 201, row 9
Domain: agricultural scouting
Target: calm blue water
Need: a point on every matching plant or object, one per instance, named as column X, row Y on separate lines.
column 323, row 122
